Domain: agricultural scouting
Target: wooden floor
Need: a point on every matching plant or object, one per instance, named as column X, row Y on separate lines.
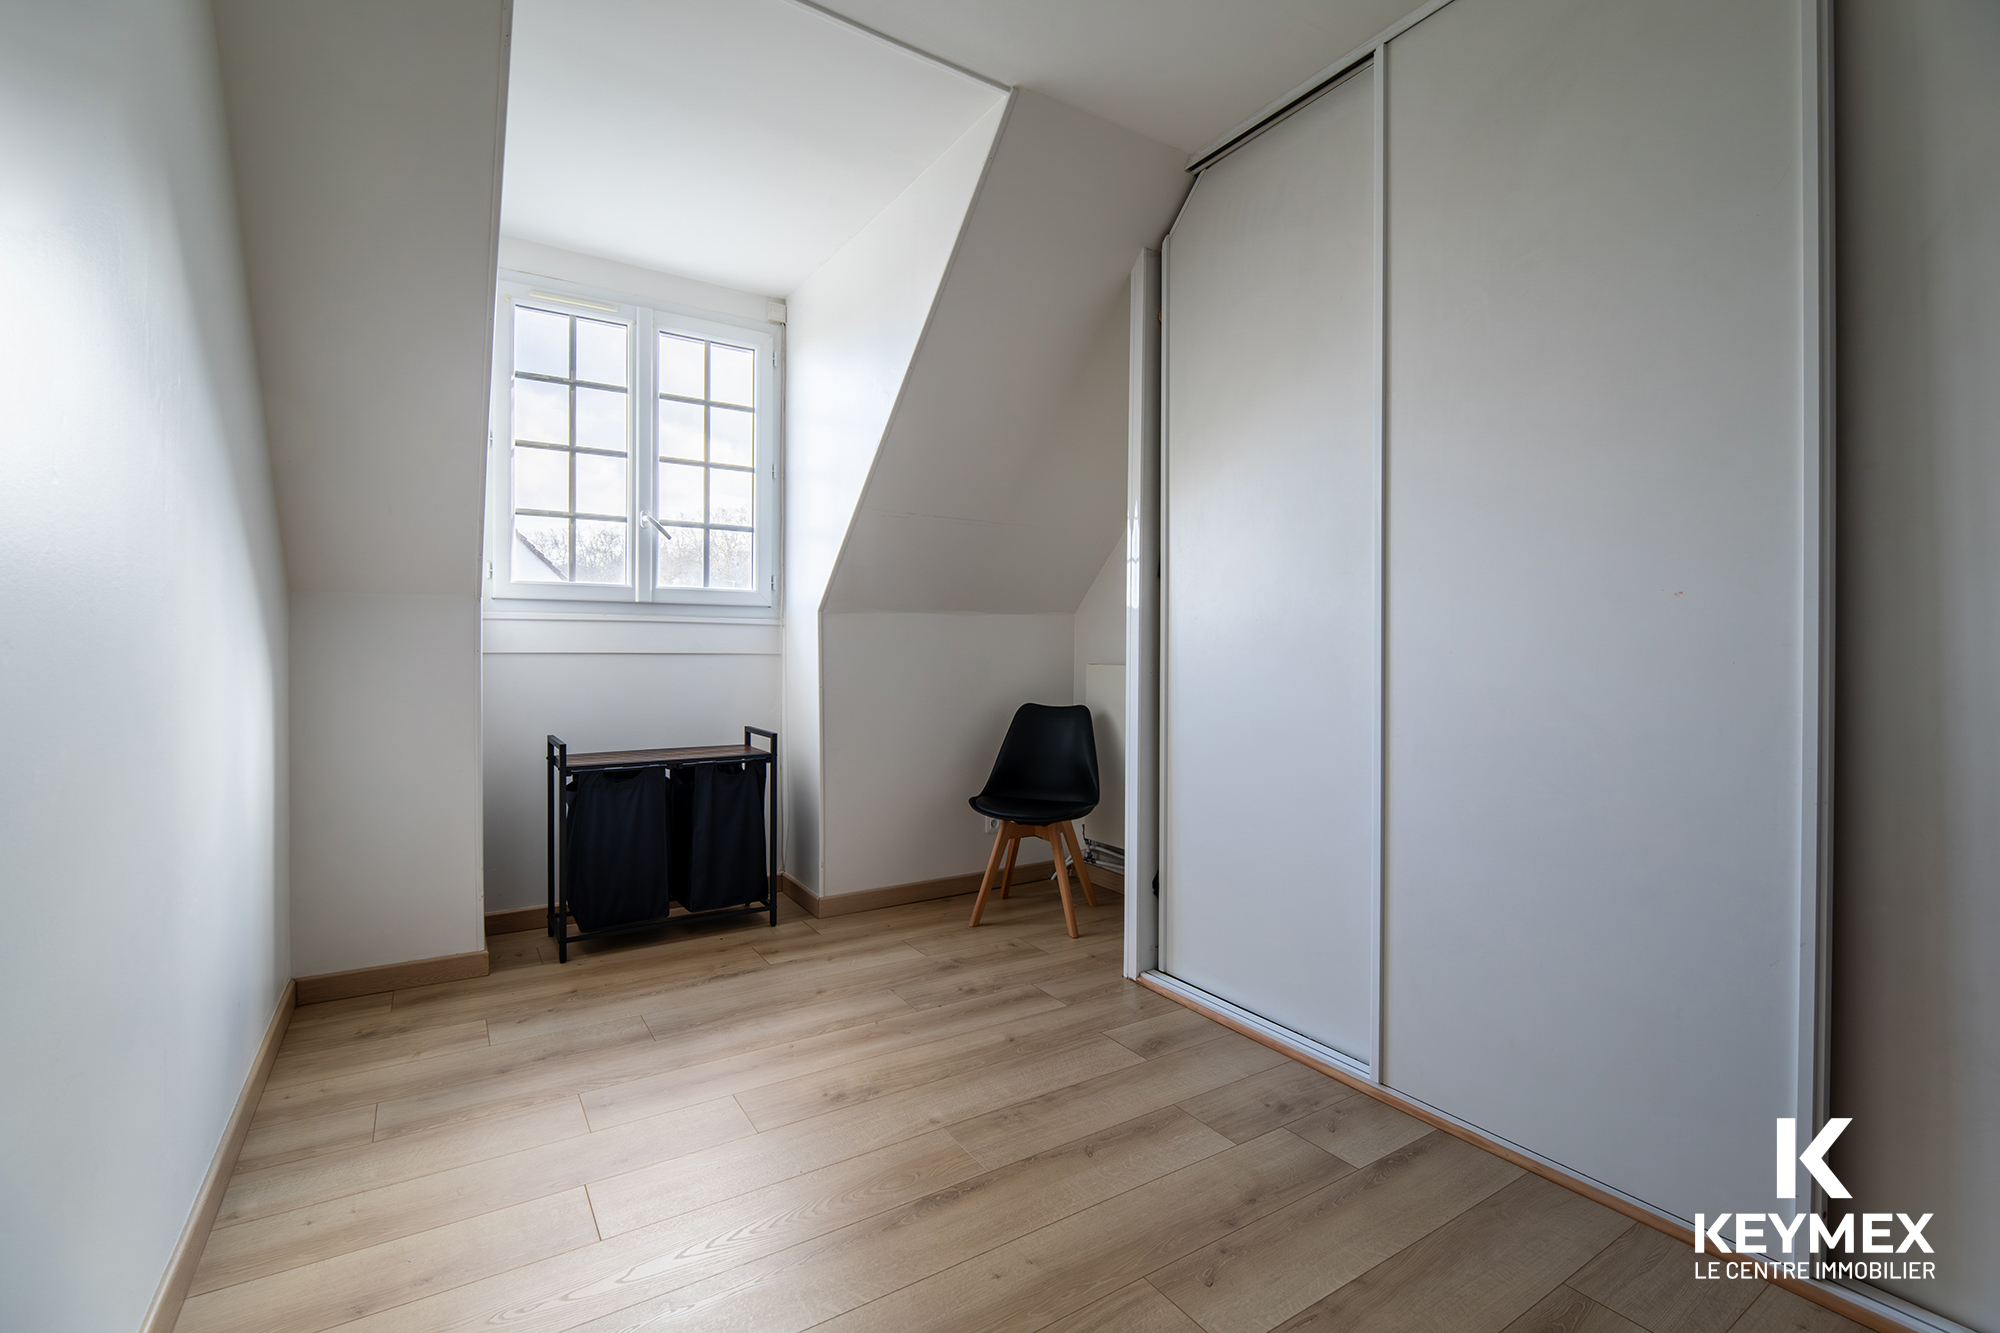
column 882, row 1122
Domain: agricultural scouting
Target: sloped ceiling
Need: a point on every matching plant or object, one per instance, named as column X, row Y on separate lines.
column 1184, row 72
column 999, row 482
column 739, row 143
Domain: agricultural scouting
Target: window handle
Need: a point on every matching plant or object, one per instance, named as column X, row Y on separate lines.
column 656, row 523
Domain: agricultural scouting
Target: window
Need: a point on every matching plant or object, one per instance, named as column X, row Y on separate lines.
column 634, row 452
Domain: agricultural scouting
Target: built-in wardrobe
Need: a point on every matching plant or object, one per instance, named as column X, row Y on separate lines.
column 1492, row 484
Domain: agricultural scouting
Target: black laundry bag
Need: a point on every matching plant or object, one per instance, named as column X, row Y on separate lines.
column 717, row 857
column 616, row 839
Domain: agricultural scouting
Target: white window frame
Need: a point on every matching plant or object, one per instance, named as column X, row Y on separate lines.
column 646, row 320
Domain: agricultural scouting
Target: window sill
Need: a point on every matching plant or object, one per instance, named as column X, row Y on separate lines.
column 653, row 614
column 558, row 632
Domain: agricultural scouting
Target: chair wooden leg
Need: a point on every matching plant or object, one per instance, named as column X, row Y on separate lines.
column 1082, row 870
column 986, row 880
column 1054, row 835
column 1007, row 871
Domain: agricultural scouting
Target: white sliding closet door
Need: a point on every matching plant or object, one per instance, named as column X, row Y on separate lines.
column 1603, row 491
column 1270, row 493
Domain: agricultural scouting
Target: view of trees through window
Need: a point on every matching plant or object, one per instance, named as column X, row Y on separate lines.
column 573, row 514
column 706, row 485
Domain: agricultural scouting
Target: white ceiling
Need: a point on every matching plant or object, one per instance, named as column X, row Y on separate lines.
column 1184, row 72
column 740, row 142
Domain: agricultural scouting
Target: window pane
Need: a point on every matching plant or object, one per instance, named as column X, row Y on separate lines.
column 729, row 436
column 600, row 351
column 680, row 430
column 541, row 342
column 541, row 411
column 600, row 487
column 600, row 551
column 729, row 373
column 541, row 478
column 680, row 493
column 680, row 559
column 728, row 496
column 541, row 550
column 680, row 366
column 728, row 559
column 600, row 419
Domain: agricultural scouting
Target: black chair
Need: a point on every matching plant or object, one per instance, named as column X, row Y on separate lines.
column 1045, row 777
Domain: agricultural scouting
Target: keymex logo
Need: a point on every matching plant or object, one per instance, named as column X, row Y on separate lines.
column 1806, row 1234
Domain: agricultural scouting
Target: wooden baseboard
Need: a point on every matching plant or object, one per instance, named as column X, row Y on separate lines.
column 391, row 976
column 516, row 920
column 165, row 1311
column 895, row 895
column 1866, row 1316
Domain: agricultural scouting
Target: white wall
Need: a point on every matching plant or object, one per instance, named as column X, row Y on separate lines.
column 366, row 142
column 1916, row 1024
column 916, row 706
column 995, row 493
column 648, row 284
column 600, row 701
column 1100, row 620
column 852, row 329
column 1001, row 477
column 142, row 656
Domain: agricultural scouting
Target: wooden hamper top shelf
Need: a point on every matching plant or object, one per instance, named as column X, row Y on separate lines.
column 689, row 754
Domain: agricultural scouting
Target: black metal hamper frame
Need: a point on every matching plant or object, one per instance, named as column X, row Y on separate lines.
column 561, row 764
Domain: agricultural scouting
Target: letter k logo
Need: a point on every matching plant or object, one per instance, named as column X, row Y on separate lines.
column 1812, row 1159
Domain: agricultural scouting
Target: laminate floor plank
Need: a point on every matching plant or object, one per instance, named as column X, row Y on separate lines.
column 291, row 1140
column 307, row 1066
column 1074, row 985
column 1648, row 1277
column 1566, row 1310
column 1039, row 1123
column 583, row 1284
column 752, row 1028
column 1778, row 1311
column 332, row 1175
column 360, row 1028
column 1360, row 1129
column 1477, row 1274
column 585, row 972
column 443, row 1073
column 1167, row 1032
column 339, row 1290
column 1138, row 1308
column 633, row 1200
column 883, row 1122
column 719, row 986
column 520, row 949
column 276, row 1241
column 1061, row 1268
column 1039, row 1022
column 1254, row 1106
column 308, row 1016
column 1026, row 964
column 748, row 1075
column 835, row 1275
column 720, row 994
column 1260, row 1275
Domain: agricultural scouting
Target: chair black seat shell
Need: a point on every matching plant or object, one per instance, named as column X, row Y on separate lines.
column 1047, row 769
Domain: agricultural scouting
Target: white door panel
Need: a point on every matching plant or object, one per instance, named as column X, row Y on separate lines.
column 1270, row 616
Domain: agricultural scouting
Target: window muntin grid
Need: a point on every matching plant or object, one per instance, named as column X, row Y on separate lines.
column 570, row 464
column 706, row 463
